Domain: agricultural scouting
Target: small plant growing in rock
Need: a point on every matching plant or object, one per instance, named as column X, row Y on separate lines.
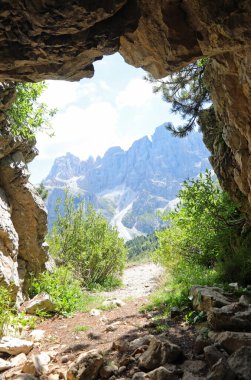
column 80, row 328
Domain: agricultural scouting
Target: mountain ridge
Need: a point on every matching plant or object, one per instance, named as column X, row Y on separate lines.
column 129, row 186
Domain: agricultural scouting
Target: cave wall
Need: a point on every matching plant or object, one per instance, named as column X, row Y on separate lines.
column 49, row 39
column 23, row 218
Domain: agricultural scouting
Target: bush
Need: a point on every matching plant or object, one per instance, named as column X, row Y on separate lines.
column 178, row 282
column 206, row 229
column 64, row 289
column 86, row 242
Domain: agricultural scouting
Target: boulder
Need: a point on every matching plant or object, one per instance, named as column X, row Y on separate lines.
column 41, row 362
column 15, row 346
column 234, row 317
column 37, row 335
column 24, row 376
column 193, row 366
column 201, row 341
column 240, row 363
column 160, row 373
column 231, row 341
column 108, row 370
column 205, row 297
column 87, row 366
column 139, row 342
column 213, row 355
column 159, row 352
column 4, row 365
column 113, row 302
column 19, row 360
column 139, row 376
column 221, row 371
column 41, row 302
column 95, row 312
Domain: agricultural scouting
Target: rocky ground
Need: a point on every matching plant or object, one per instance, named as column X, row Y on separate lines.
column 124, row 344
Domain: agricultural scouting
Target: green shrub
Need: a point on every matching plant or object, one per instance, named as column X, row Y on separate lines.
column 64, row 289
column 85, row 240
column 206, row 229
column 178, row 281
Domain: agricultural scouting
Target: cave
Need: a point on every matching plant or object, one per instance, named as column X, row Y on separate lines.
column 48, row 39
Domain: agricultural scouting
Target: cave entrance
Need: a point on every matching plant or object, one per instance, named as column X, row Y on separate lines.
column 110, row 143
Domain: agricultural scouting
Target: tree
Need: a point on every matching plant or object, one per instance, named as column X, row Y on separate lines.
column 27, row 115
column 187, row 92
column 86, row 241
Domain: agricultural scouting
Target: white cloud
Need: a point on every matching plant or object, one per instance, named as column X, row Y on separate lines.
column 60, row 94
column 137, row 93
column 81, row 131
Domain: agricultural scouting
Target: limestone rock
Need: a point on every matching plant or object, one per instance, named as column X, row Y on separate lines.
column 160, row 373
column 95, row 312
column 231, row 341
column 37, row 335
column 213, row 355
column 193, row 366
column 142, row 341
column 19, row 360
column 41, row 362
column 8, row 247
column 199, row 344
column 15, row 346
column 86, row 366
column 29, row 216
column 235, row 317
column 240, row 361
column 24, row 376
column 41, row 302
column 4, row 365
column 112, row 303
column 221, row 371
column 108, row 370
column 159, row 352
column 205, row 297
column 139, row 376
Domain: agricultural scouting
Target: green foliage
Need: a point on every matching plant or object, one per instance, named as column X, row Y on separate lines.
column 187, row 92
column 193, row 317
column 26, row 114
column 65, row 290
column 85, row 240
column 206, row 230
column 142, row 246
column 80, row 328
column 6, row 311
column 42, row 191
column 179, row 279
column 10, row 318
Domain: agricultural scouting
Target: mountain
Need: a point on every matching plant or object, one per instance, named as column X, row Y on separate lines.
column 130, row 186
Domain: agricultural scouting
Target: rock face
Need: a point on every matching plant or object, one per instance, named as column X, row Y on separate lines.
column 23, row 218
column 129, row 187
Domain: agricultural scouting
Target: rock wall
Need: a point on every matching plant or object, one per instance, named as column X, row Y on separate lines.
column 23, row 218
column 49, row 39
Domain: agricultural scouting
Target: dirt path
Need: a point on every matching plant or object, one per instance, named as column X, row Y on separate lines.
column 138, row 280
column 102, row 329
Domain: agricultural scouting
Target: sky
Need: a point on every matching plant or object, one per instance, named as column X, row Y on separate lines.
column 114, row 108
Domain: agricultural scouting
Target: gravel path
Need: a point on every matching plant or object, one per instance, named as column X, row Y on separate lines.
column 139, row 281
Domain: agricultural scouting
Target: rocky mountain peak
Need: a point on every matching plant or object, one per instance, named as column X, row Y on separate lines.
column 130, row 186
